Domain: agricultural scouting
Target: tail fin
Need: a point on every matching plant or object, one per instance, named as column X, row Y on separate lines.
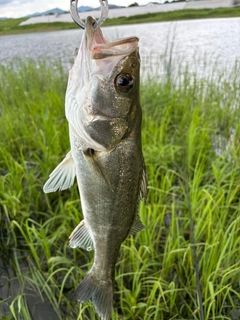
column 99, row 291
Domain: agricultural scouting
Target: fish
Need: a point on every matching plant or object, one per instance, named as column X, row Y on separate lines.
column 104, row 114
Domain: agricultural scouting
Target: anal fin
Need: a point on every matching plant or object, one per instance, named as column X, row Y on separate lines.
column 80, row 238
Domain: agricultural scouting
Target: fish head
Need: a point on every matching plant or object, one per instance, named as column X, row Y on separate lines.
column 115, row 93
column 103, row 88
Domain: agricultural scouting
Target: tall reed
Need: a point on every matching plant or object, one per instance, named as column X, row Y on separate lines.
column 191, row 147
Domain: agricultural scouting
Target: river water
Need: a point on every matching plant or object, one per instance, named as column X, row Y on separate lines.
column 202, row 45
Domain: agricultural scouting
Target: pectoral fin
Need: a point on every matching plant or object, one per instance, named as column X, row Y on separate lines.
column 62, row 177
column 80, row 237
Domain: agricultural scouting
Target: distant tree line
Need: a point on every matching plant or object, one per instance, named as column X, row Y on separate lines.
column 135, row 4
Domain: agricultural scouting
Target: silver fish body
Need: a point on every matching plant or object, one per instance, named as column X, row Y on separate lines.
column 104, row 115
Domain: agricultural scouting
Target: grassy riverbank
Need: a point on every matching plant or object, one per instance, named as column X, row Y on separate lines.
column 11, row 26
column 191, row 145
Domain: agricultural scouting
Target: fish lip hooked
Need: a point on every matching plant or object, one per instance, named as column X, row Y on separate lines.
column 100, row 48
column 78, row 20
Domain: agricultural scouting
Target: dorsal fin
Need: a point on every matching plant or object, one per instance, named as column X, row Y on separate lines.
column 137, row 226
column 144, row 184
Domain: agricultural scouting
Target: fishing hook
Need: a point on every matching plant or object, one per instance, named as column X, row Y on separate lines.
column 77, row 19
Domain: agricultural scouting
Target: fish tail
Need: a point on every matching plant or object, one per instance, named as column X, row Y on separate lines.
column 99, row 291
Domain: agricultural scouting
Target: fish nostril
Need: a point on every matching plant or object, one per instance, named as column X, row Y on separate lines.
column 94, row 24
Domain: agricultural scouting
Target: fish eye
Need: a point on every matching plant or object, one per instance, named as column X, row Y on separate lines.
column 124, row 82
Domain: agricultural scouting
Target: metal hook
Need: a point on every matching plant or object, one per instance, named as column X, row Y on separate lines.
column 77, row 19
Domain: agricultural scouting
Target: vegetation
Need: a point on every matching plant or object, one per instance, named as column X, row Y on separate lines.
column 185, row 14
column 11, row 26
column 6, row 29
column 185, row 264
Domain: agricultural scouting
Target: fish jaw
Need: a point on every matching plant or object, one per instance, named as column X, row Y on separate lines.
column 94, row 48
column 91, row 95
column 100, row 48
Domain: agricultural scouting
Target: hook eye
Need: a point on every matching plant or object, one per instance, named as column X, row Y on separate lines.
column 77, row 19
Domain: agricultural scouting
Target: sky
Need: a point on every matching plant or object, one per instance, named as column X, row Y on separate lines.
column 21, row 8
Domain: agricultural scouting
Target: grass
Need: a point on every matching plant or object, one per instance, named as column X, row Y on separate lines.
column 184, row 14
column 11, row 26
column 6, row 29
column 191, row 146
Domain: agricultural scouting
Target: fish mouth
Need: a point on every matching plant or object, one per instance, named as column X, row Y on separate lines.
column 100, row 48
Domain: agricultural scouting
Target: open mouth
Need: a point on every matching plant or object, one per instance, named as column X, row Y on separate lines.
column 100, row 48
column 116, row 48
